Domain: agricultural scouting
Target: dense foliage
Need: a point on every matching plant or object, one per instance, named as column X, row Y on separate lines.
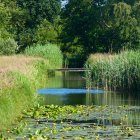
column 100, row 26
column 81, row 27
column 29, row 21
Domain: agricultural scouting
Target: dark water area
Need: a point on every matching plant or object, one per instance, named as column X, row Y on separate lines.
column 76, row 81
column 69, row 88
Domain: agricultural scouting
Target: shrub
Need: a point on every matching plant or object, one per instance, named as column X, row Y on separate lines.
column 45, row 33
column 75, row 56
column 1, row 45
column 8, row 47
column 25, row 38
column 50, row 52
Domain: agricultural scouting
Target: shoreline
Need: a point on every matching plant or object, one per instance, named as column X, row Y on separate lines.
column 21, row 77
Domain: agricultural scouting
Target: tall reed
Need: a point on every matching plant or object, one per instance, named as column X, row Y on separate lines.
column 50, row 52
column 115, row 72
column 18, row 88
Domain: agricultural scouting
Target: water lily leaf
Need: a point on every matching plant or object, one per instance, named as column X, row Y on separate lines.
column 19, row 131
column 1, row 137
column 38, row 132
column 35, row 114
column 31, row 136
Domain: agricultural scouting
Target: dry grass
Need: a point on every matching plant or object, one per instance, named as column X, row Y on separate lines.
column 18, row 63
column 20, row 78
column 101, row 56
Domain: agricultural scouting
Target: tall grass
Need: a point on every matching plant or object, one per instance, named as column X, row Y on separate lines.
column 18, row 87
column 21, row 77
column 50, row 52
column 115, row 72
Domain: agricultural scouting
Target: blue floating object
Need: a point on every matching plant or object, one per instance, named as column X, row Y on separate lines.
column 63, row 91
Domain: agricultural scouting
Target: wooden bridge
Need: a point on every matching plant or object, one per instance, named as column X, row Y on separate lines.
column 73, row 69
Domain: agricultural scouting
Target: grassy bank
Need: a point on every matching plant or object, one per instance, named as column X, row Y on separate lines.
column 21, row 76
column 115, row 72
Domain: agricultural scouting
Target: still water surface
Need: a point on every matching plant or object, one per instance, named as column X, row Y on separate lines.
column 69, row 88
column 118, row 119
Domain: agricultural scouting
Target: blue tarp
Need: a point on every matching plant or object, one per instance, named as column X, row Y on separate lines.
column 63, row 91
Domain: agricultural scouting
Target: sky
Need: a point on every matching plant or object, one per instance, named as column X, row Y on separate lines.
column 64, row 2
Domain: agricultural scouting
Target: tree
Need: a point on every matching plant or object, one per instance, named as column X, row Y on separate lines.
column 11, row 16
column 45, row 33
column 129, row 2
column 99, row 26
column 80, row 21
column 12, row 21
column 38, row 10
column 23, row 21
column 126, row 23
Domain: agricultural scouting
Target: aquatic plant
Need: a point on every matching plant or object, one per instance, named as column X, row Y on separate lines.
column 118, row 71
column 75, row 122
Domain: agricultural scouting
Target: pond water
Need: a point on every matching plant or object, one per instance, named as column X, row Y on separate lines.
column 69, row 88
column 70, row 111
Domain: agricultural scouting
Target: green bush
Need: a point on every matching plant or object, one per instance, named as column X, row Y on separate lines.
column 1, row 45
column 45, row 33
column 8, row 47
column 50, row 52
column 119, row 72
column 25, row 38
column 74, row 56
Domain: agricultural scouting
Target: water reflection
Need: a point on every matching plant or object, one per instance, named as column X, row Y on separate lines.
column 76, row 80
column 64, row 91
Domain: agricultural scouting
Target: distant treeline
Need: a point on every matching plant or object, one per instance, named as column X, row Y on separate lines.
column 81, row 27
column 91, row 26
column 27, row 22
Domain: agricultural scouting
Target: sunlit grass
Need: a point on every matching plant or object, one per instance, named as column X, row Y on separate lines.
column 20, row 78
column 18, row 63
column 99, row 56
column 50, row 52
column 15, row 62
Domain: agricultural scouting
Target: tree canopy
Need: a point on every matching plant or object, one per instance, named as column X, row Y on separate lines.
column 38, row 10
column 22, row 20
column 100, row 26
column 80, row 27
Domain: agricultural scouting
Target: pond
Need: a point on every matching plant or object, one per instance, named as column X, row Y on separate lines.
column 69, row 88
column 70, row 111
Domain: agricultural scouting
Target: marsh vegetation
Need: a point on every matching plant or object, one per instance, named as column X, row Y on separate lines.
column 38, row 36
column 115, row 72
column 77, row 122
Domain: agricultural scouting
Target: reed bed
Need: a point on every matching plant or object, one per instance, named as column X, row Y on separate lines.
column 115, row 72
column 50, row 52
